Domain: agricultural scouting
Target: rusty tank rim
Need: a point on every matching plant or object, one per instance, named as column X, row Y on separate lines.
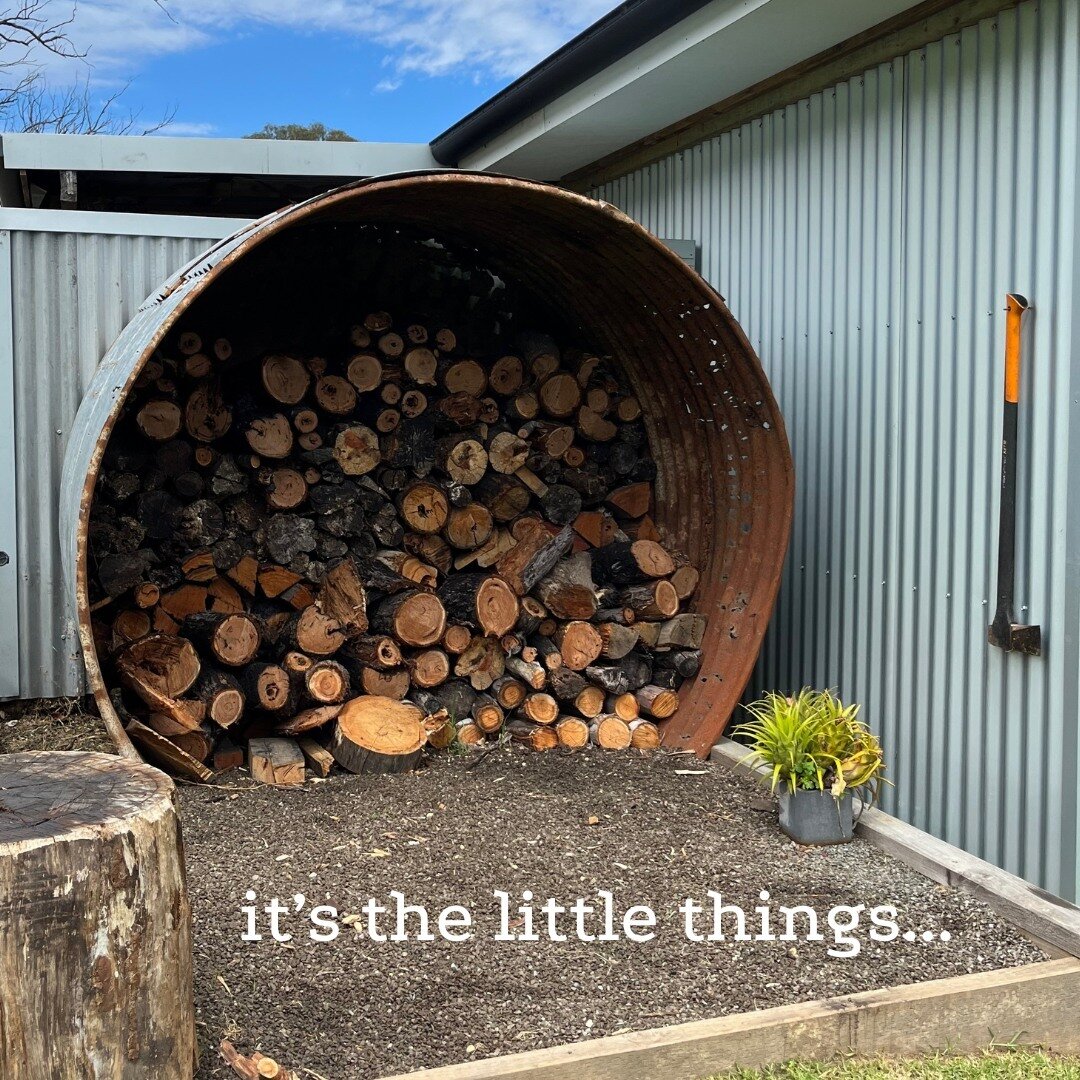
column 725, row 488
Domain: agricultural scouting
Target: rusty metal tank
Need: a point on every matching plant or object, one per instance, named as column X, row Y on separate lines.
column 724, row 490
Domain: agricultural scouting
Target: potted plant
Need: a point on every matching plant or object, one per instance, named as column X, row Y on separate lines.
column 819, row 753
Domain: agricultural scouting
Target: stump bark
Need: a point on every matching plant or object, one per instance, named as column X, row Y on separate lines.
column 95, row 921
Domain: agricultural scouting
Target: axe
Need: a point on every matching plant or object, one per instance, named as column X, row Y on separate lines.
column 1004, row 631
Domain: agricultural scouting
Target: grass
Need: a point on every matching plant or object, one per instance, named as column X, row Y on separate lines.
column 995, row 1064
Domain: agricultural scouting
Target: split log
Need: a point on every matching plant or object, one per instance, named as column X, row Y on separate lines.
column 317, row 758
column 276, row 761
column 308, row 720
column 580, row 644
column 596, row 527
column 227, row 755
column 166, row 666
column 481, row 663
column 198, row 743
column 631, row 501
column 378, row 735
column 534, row 557
column 95, row 942
column 685, row 631
column 618, row 640
column 165, row 752
column 343, row 598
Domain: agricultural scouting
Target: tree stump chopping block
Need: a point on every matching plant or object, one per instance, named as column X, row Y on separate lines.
column 95, row 921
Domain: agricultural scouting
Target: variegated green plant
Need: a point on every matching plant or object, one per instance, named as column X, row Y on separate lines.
column 812, row 741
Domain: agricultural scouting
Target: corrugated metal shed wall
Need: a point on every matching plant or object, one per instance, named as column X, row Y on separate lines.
column 71, row 294
column 865, row 238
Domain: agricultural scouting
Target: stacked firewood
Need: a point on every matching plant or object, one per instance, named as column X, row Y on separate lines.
column 405, row 545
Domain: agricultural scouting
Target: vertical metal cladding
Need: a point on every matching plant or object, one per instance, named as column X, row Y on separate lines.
column 866, row 237
column 725, row 486
column 72, row 293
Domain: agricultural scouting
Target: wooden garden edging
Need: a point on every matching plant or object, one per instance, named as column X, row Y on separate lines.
column 1054, row 923
column 1034, row 1004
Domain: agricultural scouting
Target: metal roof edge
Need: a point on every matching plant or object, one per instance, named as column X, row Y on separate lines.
column 610, row 38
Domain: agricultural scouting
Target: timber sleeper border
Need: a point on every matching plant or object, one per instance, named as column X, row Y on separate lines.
column 1034, row 1003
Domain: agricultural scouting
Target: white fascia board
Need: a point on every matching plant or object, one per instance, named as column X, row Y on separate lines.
column 722, row 48
column 251, row 157
column 104, row 223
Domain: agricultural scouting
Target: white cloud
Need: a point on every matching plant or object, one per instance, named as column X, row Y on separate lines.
column 187, row 128
column 475, row 38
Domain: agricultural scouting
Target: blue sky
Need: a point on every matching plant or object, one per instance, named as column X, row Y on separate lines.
column 384, row 70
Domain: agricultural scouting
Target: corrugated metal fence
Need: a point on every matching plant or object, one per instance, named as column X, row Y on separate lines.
column 865, row 237
column 69, row 282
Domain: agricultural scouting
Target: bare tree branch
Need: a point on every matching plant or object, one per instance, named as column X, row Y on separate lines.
column 73, row 110
column 29, row 103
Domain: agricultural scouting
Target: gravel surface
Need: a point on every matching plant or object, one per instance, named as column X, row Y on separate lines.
column 652, row 830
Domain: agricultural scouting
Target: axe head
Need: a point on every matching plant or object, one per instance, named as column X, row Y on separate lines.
column 1015, row 637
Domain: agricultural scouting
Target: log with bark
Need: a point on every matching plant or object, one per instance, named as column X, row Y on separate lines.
column 378, row 735
column 390, row 518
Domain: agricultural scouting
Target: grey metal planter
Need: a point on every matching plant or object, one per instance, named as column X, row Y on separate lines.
column 815, row 817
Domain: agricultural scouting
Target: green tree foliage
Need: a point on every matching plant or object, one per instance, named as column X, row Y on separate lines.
column 302, row 132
